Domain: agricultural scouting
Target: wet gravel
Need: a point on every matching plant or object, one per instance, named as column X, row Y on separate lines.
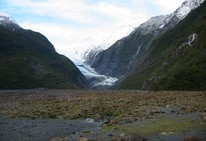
column 42, row 129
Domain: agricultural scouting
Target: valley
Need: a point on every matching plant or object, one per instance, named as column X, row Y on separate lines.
column 101, row 115
column 156, row 55
column 137, row 82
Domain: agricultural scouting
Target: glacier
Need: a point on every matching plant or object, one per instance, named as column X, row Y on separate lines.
column 96, row 44
column 91, row 46
column 95, row 79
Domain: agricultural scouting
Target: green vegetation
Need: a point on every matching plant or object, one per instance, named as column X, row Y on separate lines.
column 164, row 126
column 29, row 60
column 168, row 68
column 118, row 106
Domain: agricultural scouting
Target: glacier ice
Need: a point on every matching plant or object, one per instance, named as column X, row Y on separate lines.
column 97, row 79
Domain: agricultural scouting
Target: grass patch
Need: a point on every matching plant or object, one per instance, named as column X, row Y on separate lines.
column 164, row 125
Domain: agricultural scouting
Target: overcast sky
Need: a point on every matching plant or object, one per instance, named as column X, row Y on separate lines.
column 67, row 21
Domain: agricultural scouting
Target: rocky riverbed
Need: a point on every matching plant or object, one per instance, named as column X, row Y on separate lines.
column 73, row 115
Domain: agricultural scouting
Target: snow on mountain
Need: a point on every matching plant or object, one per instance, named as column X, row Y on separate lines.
column 186, row 7
column 3, row 14
column 153, row 24
column 8, row 22
column 99, row 42
column 5, row 18
column 106, row 41
column 181, row 12
column 170, row 20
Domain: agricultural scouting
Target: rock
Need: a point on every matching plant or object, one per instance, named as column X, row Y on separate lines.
column 122, row 135
column 53, row 139
column 74, row 132
column 112, row 122
column 193, row 138
column 86, row 131
column 204, row 118
column 97, row 117
column 183, row 108
column 153, row 112
column 166, row 134
column 163, row 133
column 106, row 121
column 110, row 135
column 83, row 139
column 136, row 138
column 122, row 139
column 90, row 120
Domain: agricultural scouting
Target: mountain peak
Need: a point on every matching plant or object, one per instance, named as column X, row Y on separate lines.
column 6, row 18
column 4, row 14
column 186, row 7
column 8, row 22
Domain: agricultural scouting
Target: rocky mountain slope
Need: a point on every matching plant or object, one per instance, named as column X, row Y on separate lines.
column 176, row 59
column 94, row 45
column 131, row 53
column 116, row 60
column 29, row 60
